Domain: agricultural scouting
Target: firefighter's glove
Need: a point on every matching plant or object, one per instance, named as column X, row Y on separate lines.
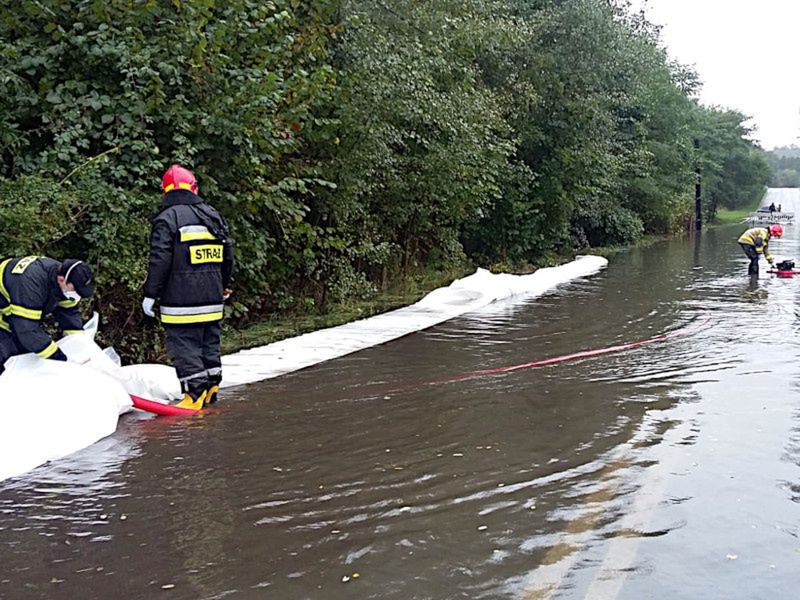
column 147, row 306
column 226, row 294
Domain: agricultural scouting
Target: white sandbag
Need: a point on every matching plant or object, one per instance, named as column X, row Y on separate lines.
column 152, row 382
column 112, row 354
column 49, row 409
column 82, row 349
column 463, row 296
column 149, row 381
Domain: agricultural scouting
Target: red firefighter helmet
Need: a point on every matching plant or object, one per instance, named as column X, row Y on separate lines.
column 775, row 231
column 178, row 178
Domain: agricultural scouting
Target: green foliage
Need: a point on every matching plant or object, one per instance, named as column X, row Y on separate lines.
column 733, row 169
column 609, row 225
column 229, row 89
column 349, row 142
column 38, row 214
column 422, row 141
column 785, row 164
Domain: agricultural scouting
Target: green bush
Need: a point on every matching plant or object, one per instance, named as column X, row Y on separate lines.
column 348, row 142
column 608, row 225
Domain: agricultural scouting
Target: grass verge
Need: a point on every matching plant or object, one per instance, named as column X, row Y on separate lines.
column 397, row 295
column 726, row 216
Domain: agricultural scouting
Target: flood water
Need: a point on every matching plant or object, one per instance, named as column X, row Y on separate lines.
column 667, row 471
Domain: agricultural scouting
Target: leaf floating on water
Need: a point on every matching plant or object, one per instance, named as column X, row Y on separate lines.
column 167, row 586
column 482, row 527
column 345, row 578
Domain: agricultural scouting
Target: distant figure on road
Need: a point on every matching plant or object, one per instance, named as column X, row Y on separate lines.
column 772, row 208
column 755, row 241
column 779, row 207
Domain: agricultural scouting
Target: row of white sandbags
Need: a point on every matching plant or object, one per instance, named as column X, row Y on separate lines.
column 49, row 408
column 462, row 296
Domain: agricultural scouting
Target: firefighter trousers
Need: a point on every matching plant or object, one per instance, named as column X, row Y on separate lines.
column 752, row 254
column 194, row 351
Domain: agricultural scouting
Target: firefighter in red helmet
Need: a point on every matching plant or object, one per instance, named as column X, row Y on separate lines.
column 190, row 268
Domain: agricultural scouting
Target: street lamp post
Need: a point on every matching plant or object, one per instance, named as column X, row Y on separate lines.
column 698, row 204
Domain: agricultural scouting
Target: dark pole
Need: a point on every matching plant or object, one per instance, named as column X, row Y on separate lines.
column 698, row 205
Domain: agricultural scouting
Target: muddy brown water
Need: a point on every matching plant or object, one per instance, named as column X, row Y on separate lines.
column 669, row 471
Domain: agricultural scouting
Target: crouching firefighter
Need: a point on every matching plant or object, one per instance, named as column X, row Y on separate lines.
column 755, row 241
column 32, row 288
column 191, row 263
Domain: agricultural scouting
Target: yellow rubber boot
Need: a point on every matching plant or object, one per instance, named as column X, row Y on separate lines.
column 211, row 395
column 190, row 403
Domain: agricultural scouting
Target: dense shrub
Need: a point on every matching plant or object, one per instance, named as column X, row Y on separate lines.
column 348, row 141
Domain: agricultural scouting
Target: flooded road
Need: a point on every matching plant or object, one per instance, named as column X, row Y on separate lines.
column 667, row 471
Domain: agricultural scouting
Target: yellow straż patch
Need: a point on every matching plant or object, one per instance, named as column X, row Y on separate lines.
column 208, row 253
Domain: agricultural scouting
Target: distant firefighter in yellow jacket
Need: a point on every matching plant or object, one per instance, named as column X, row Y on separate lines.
column 755, row 241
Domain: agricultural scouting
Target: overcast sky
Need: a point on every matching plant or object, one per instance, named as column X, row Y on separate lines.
column 746, row 53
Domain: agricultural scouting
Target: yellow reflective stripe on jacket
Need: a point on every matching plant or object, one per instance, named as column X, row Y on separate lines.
column 72, row 331
column 190, row 237
column 25, row 313
column 3, row 289
column 191, row 233
column 68, row 303
column 3, row 325
column 188, row 319
column 49, row 351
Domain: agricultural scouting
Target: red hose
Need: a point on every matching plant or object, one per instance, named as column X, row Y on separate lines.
column 159, row 408
column 170, row 409
column 567, row 357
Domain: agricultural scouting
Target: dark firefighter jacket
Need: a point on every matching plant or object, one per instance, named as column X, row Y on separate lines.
column 191, row 260
column 758, row 237
column 29, row 291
